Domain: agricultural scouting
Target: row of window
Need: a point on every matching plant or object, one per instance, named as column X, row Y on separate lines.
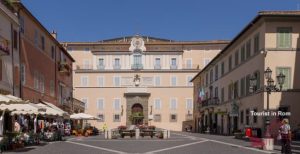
column 241, row 87
column 252, row 46
column 156, row 81
column 157, row 104
column 38, row 81
column 240, row 56
column 247, row 116
column 38, row 40
column 156, row 117
column 138, row 63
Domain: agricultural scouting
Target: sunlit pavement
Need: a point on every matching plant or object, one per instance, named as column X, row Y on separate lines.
column 179, row 143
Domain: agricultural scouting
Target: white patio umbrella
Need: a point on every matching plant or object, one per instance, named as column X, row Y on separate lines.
column 83, row 116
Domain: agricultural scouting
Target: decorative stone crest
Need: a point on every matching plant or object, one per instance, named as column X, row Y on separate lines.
column 137, row 44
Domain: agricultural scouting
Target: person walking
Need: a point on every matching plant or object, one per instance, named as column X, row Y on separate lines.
column 104, row 127
column 285, row 132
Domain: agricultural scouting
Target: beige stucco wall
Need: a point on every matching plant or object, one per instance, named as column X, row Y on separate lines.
column 165, row 91
column 108, row 93
column 9, row 22
column 269, row 56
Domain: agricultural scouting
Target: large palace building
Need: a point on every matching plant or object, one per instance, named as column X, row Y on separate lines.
column 139, row 79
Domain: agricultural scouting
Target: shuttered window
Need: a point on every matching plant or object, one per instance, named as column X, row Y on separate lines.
column 284, row 37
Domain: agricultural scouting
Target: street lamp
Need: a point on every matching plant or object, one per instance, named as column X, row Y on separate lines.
column 280, row 79
column 271, row 87
column 268, row 73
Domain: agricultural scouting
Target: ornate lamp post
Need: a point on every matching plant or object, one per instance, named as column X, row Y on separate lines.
column 270, row 87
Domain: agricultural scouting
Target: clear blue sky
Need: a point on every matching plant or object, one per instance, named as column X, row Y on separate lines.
column 185, row 20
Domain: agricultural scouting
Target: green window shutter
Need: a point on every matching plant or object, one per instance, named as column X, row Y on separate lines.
column 284, row 37
column 258, row 79
column 247, row 84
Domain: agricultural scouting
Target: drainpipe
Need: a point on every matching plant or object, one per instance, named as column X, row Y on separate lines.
column 20, row 61
column 12, row 57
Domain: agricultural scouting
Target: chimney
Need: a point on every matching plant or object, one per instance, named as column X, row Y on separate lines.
column 54, row 34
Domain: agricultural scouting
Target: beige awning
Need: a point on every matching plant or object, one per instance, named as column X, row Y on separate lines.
column 17, row 107
column 41, row 109
column 83, row 116
column 10, row 99
column 56, row 108
column 11, row 103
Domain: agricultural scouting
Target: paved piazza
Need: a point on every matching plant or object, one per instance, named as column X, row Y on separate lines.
column 179, row 143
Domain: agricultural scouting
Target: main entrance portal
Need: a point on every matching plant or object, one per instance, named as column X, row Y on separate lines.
column 137, row 114
column 137, row 109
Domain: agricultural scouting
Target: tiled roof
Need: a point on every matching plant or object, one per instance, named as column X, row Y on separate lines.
column 279, row 13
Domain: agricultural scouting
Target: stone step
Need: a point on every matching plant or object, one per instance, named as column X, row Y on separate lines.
column 296, row 147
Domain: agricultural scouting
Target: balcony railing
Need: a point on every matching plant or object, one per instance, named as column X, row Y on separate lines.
column 157, row 67
column 173, row 67
column 137, row 66
column 188, row 117
column 100, row 67
column 84, row 67
column 116, row 66
column 210, row 102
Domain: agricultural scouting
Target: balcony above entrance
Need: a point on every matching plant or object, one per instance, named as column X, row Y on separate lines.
column 137, row 91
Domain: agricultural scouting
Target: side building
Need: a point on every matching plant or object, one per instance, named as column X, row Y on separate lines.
column 139, row 79
column 9, row 50
column 46, row 67
column 233, row 85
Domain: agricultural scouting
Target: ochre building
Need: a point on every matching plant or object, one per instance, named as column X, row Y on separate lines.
column 139, row 79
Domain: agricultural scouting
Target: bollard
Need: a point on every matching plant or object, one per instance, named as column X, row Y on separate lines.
column 169, row 133
column 268, row 143
column 109, row 134
column 137, row 133
column 105, row 134
column 165, row 134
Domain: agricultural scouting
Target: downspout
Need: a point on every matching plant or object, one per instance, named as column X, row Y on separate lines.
column 55, row 77
column 20, row 61
column 12, row 58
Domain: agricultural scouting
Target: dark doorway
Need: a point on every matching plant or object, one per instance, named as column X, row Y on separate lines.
column 222, row 124
column 228, row 125
column 235, row 123
column 137, row 115
column 215, row 125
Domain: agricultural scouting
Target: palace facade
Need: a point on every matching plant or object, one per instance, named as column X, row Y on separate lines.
column 139, row 79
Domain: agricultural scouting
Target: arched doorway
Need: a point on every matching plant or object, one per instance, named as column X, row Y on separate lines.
column 137, row 115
